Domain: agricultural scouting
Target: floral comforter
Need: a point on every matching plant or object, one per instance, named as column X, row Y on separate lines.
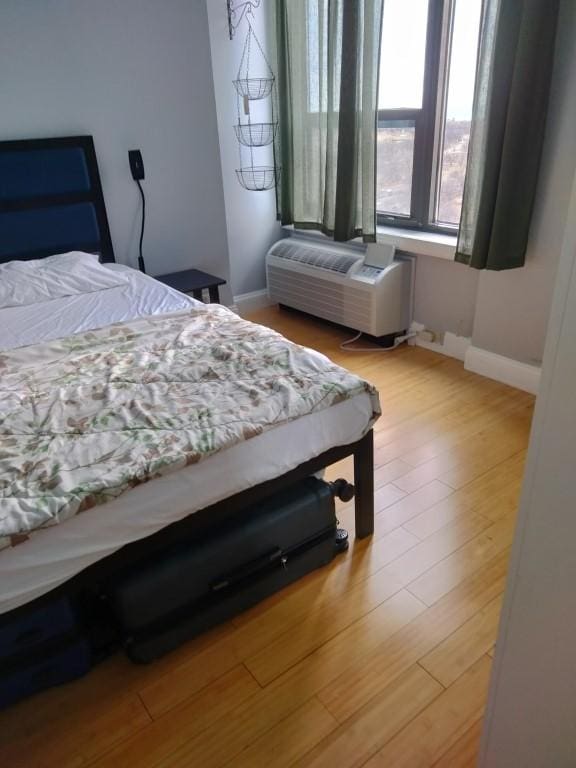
column 88, row 417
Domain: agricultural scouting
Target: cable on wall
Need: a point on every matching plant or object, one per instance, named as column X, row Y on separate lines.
column 141, row 265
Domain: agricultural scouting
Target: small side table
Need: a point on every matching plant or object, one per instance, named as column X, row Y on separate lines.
column 194, row 281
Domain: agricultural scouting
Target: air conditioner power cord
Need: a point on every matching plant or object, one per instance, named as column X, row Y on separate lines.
column 397, row 341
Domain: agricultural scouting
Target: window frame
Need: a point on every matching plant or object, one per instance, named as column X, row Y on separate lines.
column 429, row 122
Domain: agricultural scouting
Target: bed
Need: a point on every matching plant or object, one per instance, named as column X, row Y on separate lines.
column 51, row 203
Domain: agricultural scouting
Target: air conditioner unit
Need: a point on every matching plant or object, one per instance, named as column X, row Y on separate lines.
column 337, row 284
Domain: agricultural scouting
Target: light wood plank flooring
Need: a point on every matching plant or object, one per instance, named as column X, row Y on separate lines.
column 382, row 658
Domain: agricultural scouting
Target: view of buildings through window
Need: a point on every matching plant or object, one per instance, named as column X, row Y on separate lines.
column 401, row 102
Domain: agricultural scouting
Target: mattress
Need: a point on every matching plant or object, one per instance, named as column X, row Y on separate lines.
column 54, row 555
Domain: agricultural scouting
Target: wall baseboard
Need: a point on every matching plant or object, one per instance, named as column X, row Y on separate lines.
column 249, row 302
column 504, row 369
column 452, row 345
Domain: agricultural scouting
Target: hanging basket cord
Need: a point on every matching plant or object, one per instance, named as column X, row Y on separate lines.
column 270, row 70
column 246, row 54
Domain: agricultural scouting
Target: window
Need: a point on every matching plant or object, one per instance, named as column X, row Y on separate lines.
column 427, row 71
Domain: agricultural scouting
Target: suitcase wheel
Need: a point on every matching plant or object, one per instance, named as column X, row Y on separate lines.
column 341, row 540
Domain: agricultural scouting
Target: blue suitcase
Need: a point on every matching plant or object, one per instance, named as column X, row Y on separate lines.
column 39, row 648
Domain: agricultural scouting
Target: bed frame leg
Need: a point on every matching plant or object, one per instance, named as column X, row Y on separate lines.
column 364, row 482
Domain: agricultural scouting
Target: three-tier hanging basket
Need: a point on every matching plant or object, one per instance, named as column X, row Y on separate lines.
column 254, row 135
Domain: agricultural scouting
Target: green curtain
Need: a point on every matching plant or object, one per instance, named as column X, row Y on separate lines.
column 508, row 122
column 328, row 59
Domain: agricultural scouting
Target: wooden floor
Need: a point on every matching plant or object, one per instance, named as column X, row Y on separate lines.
column 381, row 659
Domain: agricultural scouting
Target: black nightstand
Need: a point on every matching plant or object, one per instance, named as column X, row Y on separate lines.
column 194, row 281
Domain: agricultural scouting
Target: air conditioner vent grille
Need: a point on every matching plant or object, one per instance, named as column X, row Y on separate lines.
column 314, row 257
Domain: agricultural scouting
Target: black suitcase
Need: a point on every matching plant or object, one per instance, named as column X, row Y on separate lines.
column 201, row 583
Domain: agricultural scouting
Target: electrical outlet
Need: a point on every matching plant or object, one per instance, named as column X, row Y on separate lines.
column 427, row 335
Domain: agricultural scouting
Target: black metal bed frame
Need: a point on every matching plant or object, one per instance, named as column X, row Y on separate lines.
column 209, row 518
column 220, row 513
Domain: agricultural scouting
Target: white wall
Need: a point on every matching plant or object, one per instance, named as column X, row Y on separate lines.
column 530, row 720
column 134, row 74
column 445, row 295
column 250, row 216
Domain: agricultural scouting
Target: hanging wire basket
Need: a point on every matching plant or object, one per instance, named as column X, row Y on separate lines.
column 256, row 134
column 258, row 178
column 254, row 88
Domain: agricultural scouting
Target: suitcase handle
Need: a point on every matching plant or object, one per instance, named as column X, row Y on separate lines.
column 251, row 568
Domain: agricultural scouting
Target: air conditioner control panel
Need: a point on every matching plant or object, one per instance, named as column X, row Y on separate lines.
column 366, row 274
column 372, row 272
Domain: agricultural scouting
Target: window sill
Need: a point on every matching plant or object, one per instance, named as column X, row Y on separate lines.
column 421, row 243
column 409, row 240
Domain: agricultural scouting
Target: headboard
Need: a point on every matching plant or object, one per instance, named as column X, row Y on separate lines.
column 51, row 199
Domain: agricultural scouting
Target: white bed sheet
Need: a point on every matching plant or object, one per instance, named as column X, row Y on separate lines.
column 140, row 296
column 53, row 555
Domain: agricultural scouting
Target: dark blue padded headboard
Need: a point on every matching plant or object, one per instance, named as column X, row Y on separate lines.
column 51, row 199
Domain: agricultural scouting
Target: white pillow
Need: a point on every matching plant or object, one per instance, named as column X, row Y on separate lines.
column 66, row 274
